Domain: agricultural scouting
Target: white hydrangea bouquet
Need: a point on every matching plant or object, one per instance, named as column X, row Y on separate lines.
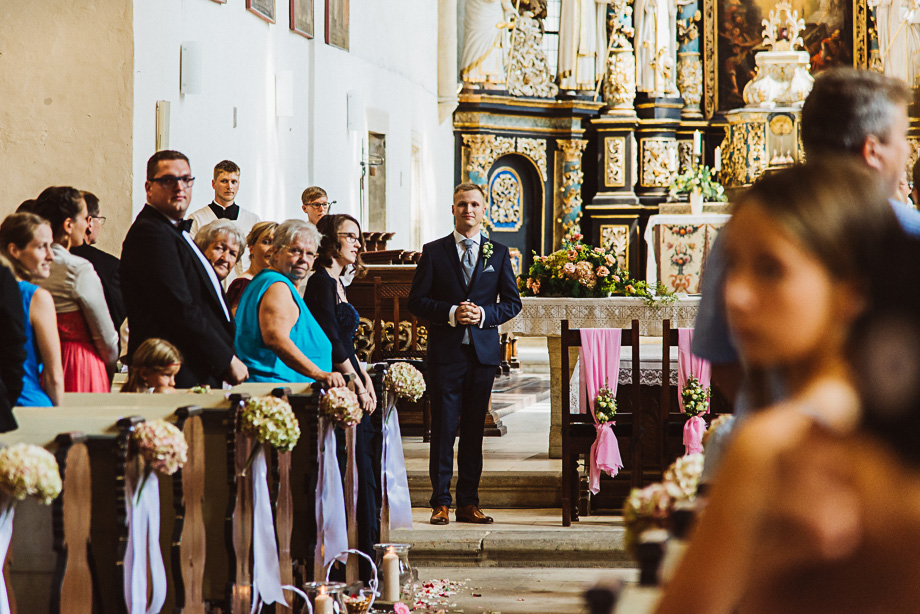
column 404, row 381
column 270, row 420
column 695, row 397
column 651, row 507
column 605, row 405
column 341, row 405
column 27, row 470
column 162, row 446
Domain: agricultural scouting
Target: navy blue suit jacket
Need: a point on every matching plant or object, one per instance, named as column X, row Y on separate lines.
column 438, row 285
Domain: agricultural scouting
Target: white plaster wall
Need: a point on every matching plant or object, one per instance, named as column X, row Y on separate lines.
column 391, row 67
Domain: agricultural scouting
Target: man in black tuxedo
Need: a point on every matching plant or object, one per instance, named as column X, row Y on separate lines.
column 12, row 347
column 106, row 265
column 464, row 286
column 169, row 288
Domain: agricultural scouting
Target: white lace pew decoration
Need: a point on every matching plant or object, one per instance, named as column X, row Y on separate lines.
column 338, row 406
column 26, row 470
column 402, row 381
column 269, row 420
column 164, row 450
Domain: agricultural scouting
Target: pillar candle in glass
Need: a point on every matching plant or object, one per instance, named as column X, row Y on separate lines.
column 390, row 576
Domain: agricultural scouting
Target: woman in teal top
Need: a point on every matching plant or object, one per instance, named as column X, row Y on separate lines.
column 277, row 337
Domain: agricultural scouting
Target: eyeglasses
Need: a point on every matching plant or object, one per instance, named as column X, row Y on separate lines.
column 323, row 206
column 99, row 218
column 170, row 181
column 299, row 253
column 350, row 237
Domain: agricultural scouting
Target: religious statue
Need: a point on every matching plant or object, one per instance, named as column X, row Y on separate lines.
column 485, row 25
column 898, row 23
column 783, row 76
column 582, row 44
column 656, row 46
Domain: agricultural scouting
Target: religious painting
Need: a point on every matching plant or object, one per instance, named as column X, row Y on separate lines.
column 302, row 17
column 263, row 8
column 834, row 35
column 337, row 23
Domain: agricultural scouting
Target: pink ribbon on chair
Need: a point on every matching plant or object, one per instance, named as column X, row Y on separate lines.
column 600, row 365
column 689, row 364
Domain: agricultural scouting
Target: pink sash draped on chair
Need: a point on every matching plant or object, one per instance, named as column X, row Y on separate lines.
column 600, row 365
column 688, row 364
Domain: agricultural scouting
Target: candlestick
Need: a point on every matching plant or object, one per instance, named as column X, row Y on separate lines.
column 717, row 166
column 390, row 576
column 323, row 602
column 697, row 143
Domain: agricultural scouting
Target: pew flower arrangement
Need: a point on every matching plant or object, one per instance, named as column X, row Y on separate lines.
column 651, row 507
column 695, row 397
column 162, row 446
column 718, row 423
column 270, row 420
column 605, row 405
column 342, row 406
column 28, row 470
column 405, row 381
column 581, row 271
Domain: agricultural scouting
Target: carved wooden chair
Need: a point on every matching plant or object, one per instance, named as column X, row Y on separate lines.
column 578, row 432
column 399, row 340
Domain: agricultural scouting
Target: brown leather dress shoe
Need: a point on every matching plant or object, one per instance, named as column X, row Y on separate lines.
column 440, row 515
column 472, row 513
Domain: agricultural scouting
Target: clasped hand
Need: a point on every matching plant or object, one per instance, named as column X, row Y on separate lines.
column 468, row 314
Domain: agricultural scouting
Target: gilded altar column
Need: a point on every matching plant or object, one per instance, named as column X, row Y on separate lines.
column 569, row 178
column 689, row 67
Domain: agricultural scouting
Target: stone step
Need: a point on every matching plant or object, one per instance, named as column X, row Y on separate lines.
column 515, row 543
column 504, row 489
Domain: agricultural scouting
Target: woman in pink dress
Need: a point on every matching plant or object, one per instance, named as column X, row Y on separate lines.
column 89, row 343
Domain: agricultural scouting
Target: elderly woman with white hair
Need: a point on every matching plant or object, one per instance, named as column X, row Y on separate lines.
column 277, row 337
column 221, row 242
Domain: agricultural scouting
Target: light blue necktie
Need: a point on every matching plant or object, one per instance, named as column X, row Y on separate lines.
column 468, row 262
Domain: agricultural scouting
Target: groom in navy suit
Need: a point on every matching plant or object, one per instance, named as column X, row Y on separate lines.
column 464, row 286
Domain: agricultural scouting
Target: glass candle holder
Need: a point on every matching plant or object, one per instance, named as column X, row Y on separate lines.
column 326, row 597
column 393, row 559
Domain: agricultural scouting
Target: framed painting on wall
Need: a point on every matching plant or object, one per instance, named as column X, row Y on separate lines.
column 302, row 17
column 835, row 35
column 337, row 23
column 263, row 8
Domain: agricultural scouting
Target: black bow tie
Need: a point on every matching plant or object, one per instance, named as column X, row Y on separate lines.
column 185, row 225
column 230, row 213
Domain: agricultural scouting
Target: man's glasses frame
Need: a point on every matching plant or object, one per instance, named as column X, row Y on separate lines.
column 323, row 206
column 170, row 181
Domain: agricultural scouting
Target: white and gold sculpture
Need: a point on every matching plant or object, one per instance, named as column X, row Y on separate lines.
column 783, row 77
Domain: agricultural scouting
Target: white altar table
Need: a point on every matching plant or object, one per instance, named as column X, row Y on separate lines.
column 542, row 317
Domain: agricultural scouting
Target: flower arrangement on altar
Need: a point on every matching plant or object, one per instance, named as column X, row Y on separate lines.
column 605, row 405
column 162, row 446
column 28, row 470
column 342, row 406
column 581, row 271
column 650, row 507
column 699, row 179
column 270, row 420
column 405, row 381
column 695, row 397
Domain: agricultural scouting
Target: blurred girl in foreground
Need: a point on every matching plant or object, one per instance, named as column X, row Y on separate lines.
column 810, row 249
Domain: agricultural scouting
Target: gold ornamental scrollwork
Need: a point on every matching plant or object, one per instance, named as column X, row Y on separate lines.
column 659, row 162
column 528, row 74
column 505, row 201
column 485, row 149
column 615, row 238
column 572, row 148
column 615, row 161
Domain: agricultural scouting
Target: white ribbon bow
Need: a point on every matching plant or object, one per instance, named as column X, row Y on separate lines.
column 393, row 469
column 331, row 526
column 266, row 571
column 143, row 543
column 6, row 534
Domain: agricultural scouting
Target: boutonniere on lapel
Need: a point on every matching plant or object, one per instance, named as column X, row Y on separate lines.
column 486, row 253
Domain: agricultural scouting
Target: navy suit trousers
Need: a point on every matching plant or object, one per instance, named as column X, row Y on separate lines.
column 460, row 392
